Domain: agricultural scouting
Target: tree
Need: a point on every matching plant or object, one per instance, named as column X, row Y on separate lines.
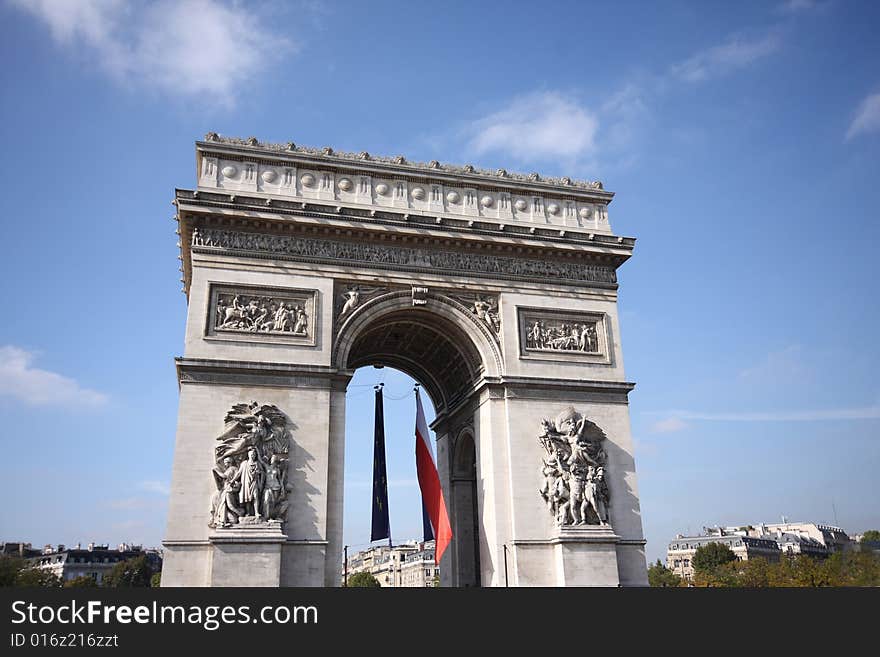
column 436, row 581
column 709, row 557
column 363, row 580
column 134, row 572
column 660, row 575
column 156, row 580
column 9, row 569
column 29, row 577
column 754, row 573
column 81, row 582
column 871, row 535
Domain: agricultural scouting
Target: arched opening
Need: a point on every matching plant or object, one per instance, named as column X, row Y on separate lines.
column 448, row 353
column 463, row 487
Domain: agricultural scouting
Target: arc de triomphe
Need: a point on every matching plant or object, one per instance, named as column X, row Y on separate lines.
column 497, row 291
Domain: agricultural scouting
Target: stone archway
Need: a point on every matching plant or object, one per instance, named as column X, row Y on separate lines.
column 441, row 345
column 497, row 291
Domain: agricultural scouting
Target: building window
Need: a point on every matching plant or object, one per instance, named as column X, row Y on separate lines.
column 677, row 562
column 687, row 563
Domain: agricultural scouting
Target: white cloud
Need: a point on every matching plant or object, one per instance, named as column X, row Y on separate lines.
column 867, row 117
column 155, row 486
column 20, row 380
column 817, row 415
column 537, row 126
column 669, row 425
column 736, row 53
column 184, row 47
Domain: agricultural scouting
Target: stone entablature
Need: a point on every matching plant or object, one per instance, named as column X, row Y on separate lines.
column 362, row 180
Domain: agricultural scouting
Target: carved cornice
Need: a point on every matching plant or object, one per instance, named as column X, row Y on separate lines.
column 286, row 247
column 197, row 200
column 399, row 163
column 229, row 372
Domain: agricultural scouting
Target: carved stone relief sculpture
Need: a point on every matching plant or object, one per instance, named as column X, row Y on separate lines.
column 561, row 335
column 354, row 296
column 485, row 307
column 263, row 312
column 573, row 471
column 250, row 470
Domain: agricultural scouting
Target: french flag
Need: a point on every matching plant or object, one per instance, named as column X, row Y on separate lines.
column 429, row 483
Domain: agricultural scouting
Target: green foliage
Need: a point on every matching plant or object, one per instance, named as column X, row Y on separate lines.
column 37, row 577
column 436, row 581
column 840, row 569
column 81, row 582
column 135, row 572
column 156, row 580
column 709, row 557
column 660, row 575
column 871, row 535
column 9, row 569
column 363, row 580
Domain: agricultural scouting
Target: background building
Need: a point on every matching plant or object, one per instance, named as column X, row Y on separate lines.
column 680, row 553
column 401, row 565
column 419, row 569
column 94, row 561
column 768, row 541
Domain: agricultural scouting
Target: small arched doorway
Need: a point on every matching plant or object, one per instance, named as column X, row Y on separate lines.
column 463, row 500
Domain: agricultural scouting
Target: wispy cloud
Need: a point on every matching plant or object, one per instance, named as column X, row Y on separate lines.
column 155, row 486
column 557, row 126
column 785, row 366
column 736, row 53
column 188, row 47
column 814, row 415
column 669, row 425
column 867, row 118
column 800, row 6
column 540, row 125
column 20, row 380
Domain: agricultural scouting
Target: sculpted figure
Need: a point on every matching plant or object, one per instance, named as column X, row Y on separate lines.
column 251, row 477
column 301, row 321
column 352, row 299
column 274, row 492
column 601, row 496
column 224, row 511
column 577, row 482
column 551, row 472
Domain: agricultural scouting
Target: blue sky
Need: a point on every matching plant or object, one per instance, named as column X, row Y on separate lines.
column 742, row 140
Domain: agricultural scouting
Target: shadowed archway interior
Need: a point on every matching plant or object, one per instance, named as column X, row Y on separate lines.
column 426, row 346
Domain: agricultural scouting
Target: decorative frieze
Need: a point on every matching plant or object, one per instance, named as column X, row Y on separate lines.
column 563, row 335
column 257, row 313
column 397, row 257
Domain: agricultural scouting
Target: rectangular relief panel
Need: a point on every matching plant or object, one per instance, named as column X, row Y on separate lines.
column 560, row 335
column 261, row 314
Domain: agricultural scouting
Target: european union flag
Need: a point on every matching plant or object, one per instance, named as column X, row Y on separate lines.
column 381, row 527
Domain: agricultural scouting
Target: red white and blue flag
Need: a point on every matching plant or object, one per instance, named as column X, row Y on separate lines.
column 429, row 483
